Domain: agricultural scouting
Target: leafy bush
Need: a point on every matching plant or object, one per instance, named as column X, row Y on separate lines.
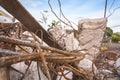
column 108, row 32
column 115, row 37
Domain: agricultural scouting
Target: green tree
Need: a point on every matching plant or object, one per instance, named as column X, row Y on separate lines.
column 115, row 37
column 108, row 32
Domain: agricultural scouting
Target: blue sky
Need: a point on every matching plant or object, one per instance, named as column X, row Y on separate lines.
column 75, row 10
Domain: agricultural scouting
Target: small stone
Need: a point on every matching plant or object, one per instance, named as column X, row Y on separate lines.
column 105, row 71
column 87, row 65
column 117, row 63
column 111, row 62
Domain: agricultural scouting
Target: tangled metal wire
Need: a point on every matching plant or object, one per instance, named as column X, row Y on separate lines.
column 50, row 60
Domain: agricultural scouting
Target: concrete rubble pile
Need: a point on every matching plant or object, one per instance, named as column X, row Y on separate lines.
column 89, row 38
column 75, row 56
column 86, row 40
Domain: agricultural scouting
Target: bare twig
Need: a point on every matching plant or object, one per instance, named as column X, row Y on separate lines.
column 111, row 6
column 113, row 12
column 58, row 17
column 64, row 15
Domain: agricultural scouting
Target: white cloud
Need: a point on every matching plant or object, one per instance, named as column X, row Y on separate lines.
column 73, row 12
column 113, row 20
column 32, row 3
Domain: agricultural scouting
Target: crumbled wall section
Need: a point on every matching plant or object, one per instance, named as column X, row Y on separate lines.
column 66, row 41
column 91, row 32
column 89, row 37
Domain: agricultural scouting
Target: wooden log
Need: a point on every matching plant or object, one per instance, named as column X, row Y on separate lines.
column 19, row 12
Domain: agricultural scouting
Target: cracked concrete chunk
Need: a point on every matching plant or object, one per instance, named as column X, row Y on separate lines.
column 87, row 65
column 67, row 41
column 92, row 23
column 91, row 33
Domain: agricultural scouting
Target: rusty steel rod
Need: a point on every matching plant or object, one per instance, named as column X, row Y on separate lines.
column 26, row 43
column 9, row 60
column 15, row 8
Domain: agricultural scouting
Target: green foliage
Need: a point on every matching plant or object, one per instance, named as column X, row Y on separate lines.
column 54, row 23
column 110, row 35
column 115, row 37
column 108, row 32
